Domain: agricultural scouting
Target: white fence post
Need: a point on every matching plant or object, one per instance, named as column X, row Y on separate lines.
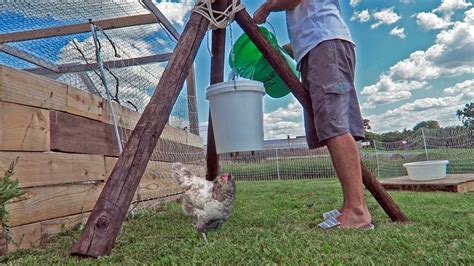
column 377, row 158
column 278, row 163
column 424, row 144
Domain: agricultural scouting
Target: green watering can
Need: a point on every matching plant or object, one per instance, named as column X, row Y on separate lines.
column 249, row 63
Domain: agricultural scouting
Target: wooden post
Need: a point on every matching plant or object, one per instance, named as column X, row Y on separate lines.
column 113, row 23
column 283, row 70
column 381, row 195
column 217, row 75
column 99, row 235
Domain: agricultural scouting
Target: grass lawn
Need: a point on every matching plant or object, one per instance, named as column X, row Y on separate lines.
column 275, row 222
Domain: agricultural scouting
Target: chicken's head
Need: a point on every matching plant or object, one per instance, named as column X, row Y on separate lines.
column 224, row 186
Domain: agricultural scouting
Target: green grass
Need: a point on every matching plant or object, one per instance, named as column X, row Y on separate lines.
column 275, row 222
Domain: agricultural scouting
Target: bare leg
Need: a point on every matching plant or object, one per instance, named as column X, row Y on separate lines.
column 344, row 205
column 346, row 161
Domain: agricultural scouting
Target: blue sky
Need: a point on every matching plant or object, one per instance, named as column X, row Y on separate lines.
column 415, row 59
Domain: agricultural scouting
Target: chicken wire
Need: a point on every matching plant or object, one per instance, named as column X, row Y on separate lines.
column 131, row 86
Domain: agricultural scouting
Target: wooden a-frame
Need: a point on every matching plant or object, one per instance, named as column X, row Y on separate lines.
column 99, row 235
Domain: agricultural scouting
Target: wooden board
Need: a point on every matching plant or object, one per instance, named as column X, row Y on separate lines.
column 71, row 133
column 181, row 136
column 127, row 119
column 111, row 23
column 156, row 182
column 84, row 104
column 21, row 87
column 38, row 169
column 35, row 234
column 156, row 170
column 452, row 183
column 43, row 203
column 23, row 128
column 31, row 235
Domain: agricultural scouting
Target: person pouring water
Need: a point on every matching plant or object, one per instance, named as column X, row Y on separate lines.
column 323, row 47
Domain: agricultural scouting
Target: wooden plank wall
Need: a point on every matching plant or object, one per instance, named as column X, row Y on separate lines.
column 65, row 143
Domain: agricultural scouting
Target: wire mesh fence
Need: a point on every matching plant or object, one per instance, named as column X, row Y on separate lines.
column 289, row 161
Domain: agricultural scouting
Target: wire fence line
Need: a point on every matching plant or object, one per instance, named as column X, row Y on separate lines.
column 289, row 161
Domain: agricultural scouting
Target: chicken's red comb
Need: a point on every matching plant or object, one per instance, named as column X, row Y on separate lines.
column 226, row 177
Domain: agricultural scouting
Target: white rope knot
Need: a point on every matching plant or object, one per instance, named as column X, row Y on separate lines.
column 217, row 19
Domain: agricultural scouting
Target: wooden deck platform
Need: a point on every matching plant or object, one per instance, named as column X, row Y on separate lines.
column 452, row 183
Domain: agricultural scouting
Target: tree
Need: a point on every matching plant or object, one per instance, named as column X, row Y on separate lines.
column 367, row 124
column 392, row 136
column 466, row 115
column 431, row 124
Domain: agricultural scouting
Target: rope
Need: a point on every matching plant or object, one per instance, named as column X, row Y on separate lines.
column 217, row 19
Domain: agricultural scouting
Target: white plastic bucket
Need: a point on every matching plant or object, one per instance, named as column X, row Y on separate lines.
column 426, row 170
column 237, row 115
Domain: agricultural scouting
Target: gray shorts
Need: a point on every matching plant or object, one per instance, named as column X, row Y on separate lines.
column 328, row 74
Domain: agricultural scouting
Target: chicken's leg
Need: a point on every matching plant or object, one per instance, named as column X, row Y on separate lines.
column 205, row 237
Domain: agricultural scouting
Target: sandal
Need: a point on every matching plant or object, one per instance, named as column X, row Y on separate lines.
column 334, row 213
column 333, row 223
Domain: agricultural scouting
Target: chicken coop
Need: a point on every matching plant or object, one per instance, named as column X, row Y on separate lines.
column 57, row 125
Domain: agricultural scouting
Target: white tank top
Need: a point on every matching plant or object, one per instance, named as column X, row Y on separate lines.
column 314, row 21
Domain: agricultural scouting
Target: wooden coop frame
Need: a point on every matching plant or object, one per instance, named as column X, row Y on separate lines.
column 103, row 226
column 48, row 69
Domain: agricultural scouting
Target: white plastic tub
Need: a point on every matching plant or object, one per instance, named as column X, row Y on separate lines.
column 426, row 170
column 237, row 115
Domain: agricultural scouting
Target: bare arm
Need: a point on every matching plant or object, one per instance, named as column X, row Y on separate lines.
column 273, row 5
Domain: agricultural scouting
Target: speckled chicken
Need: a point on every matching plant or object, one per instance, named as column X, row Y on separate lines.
column 209, row 203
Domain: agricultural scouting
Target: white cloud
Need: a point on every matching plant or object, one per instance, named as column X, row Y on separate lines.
column 175, row 11
column 442, row 109
column 386, row 90
column 449, row 6
column 284, row 121
column 407, row 1
column 431, row 21
column 400, row 32
column 386, row 16
column 362, row 16
column 465, row 88
column 451, row 55
column 354, row 3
